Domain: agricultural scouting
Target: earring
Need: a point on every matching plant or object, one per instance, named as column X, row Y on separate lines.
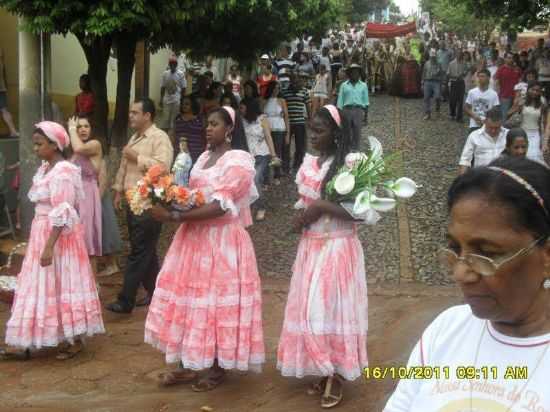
column 546, row 284
column 228, row 139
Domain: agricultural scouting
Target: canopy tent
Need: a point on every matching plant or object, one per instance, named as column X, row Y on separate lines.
column 384, row 31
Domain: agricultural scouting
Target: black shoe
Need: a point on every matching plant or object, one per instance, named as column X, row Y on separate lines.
column 146, row 301
column 119, row 307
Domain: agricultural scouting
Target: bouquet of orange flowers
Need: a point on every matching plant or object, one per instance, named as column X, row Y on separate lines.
column 158, row 187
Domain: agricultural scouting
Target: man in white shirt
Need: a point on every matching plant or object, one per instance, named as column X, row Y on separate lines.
column 480, row 100
column 172, row 85
column 486, row 144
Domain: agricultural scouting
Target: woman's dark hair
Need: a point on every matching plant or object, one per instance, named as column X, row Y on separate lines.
column 253, row 109
column 85, row 79
column 529, row 71
column 195, row 105
column 253, row 86
column 238, row 138
column 529, row 101
column 500, row 188
column 64, row 152
column 341, row 144
column 270, row 87
column 211, row 93
column 511, row 137
column 232, row 99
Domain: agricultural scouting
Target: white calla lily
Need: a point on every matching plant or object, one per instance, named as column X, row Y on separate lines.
column 354, row 159
column 362, row 203
column 404, row 188
column 344, row 183
column 159, row 191
column 382, row 204
column 375, row 147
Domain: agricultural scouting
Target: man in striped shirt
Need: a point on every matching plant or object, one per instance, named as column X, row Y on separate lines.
column 298, row 102
column 284, row 67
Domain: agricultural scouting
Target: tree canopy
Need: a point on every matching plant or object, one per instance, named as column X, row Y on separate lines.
column 234, row 28
column 470, row 16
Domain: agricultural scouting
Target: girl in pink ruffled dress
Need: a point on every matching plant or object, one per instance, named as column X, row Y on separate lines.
column 325, row 328
column 56, row 301
column 206, row 311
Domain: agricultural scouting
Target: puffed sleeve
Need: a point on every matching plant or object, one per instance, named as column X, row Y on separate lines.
column 235, row 183
column 65, row 191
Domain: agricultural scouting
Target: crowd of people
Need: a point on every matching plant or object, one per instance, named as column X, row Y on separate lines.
column 205, row 301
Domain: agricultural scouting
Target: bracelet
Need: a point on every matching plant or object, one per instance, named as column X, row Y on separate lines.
column 175, row 216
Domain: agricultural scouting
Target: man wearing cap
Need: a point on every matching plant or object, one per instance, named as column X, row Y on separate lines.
column 353, row 100
column 172, row 85
column 432, row 75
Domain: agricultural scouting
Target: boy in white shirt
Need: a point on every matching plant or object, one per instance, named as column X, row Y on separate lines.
column 480, row 100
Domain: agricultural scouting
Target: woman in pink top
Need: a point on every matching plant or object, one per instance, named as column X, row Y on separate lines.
column 206, row 311
column 56, row 302
column 325, row 328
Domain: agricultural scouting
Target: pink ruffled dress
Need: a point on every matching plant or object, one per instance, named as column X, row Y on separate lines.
column 59, row 302
column 325, row 326
column 207, row 302
column 90, row 210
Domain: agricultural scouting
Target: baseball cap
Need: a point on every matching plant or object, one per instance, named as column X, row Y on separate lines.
column 265, row 56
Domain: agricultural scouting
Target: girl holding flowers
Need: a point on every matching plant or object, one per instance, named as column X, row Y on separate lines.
column 206, row 309
column 325, row 328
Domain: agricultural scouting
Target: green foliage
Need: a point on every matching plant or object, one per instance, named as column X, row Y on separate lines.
column 360, row 10
column 512, row 15
column 238, row 28
column 456, row 17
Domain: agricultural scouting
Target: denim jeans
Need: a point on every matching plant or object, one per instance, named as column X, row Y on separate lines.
column 279, row 143
column 432, row 88
column 261, row 165
column 505, row 106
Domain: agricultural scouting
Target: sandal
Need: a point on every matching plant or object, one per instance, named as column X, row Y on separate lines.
column 70, row 351
column 19, row 355
column 209, row 382
column 328, row 400
column 318, row 387
column 177, row 377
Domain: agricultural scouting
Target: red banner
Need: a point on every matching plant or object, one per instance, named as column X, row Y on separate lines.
column 384, row 31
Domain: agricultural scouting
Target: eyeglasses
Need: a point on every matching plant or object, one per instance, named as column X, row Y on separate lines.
column 481, row 264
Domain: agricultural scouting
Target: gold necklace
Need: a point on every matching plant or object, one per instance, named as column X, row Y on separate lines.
column 485, row 326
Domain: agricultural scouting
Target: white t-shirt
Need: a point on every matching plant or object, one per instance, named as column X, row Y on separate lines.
column 173, row 84
column 450, row 344
column 482, row 148
column 481, row 102
column 492, row 83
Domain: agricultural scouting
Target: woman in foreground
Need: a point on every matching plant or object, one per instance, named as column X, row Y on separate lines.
column 498, row 253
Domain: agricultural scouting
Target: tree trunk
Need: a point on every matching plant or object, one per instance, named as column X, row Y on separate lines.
column 126, row 53
column 97, row 51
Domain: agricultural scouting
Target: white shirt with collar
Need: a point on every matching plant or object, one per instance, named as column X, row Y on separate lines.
column 481, row 148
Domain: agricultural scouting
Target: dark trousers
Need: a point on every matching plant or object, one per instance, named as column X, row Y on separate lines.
column 456, row 98
column 142, row 267
column 279, row 144
column 298, row 133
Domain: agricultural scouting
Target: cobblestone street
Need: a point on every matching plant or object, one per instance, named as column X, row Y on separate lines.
column 407, row 289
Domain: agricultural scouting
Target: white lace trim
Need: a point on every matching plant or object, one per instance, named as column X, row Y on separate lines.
column 64, row 215
column 349, row 375
column 226, row 204
column 62, row 173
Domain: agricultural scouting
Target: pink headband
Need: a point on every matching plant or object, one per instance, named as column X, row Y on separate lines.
column 54, row 132
column 523, row 183
column 334, row 114
column 231, row 113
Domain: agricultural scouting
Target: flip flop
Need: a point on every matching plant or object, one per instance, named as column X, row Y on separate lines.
column 177, row 377
column 70, row 352
column 20, row 355
column 208, row 383
column 318, row 387
column 328, row 400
